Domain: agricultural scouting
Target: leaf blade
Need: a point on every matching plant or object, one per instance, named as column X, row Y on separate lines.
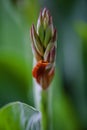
column 19, row 116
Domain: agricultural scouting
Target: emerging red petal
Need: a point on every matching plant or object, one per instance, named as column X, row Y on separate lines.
column 39, row 69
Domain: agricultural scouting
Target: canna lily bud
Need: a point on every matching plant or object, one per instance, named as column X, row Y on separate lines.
column 44, row 49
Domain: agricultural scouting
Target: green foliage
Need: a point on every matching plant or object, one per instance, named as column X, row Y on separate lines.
column 19, row 116
column 15, row 50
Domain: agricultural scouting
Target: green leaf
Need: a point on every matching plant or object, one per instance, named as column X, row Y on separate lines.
column 19, row 116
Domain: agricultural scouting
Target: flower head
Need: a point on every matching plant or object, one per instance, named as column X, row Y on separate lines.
column 44, row 49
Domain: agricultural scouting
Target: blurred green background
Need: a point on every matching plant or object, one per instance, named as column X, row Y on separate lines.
column 69, row 98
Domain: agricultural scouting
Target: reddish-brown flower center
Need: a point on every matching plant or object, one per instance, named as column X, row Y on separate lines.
column 39, row 70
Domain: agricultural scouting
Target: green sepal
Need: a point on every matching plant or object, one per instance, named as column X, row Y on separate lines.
column 48, row 35
column 47, row 51
column 37, row 42
column 41, row 33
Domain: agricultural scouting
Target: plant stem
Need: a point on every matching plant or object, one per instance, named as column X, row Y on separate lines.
column 42, row 104
column 45, row 110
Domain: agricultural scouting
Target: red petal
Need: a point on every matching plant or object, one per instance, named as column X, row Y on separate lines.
column 39, row 70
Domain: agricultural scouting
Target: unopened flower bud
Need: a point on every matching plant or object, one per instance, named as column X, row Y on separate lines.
column 44, row 49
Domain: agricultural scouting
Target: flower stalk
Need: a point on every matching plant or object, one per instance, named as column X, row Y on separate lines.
column 44, row 51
